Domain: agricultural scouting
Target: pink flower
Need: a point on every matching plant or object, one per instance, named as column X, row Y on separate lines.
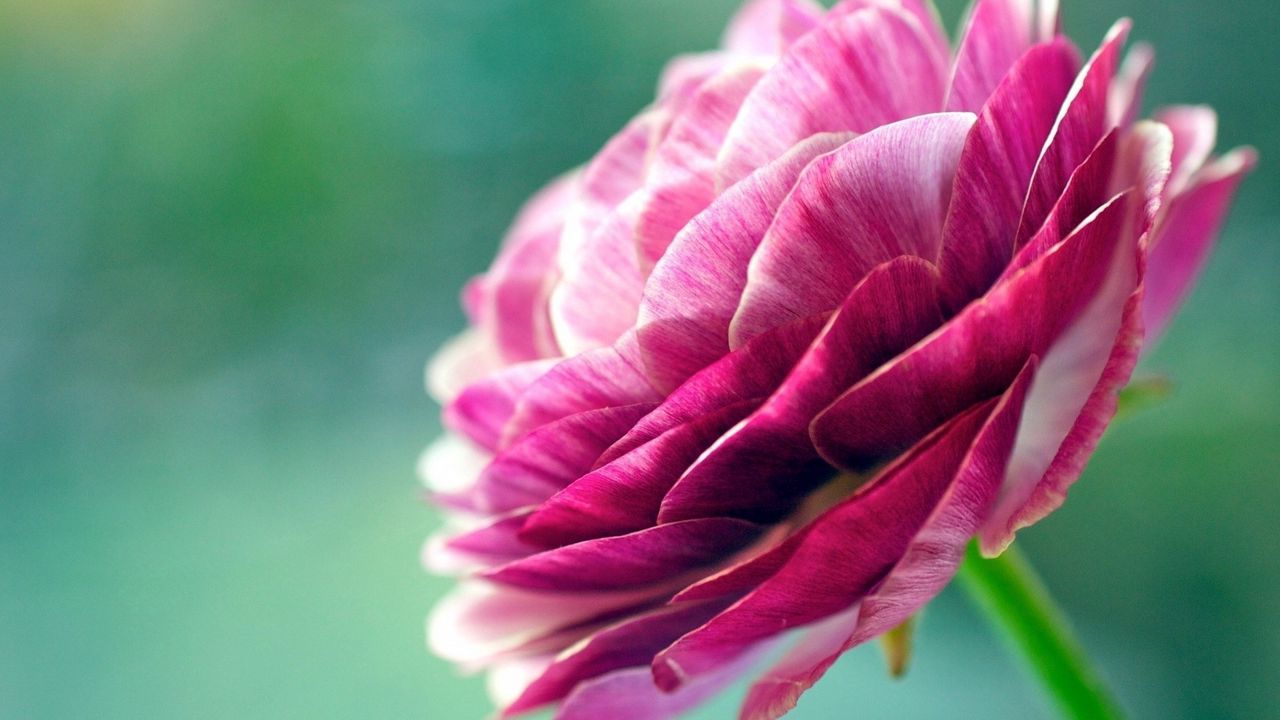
column 840, row 300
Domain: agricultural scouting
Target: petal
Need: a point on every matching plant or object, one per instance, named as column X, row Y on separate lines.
column 482, row 410
column 495, row 543
column 975, row 355
column 892, row 308
column 997, row 33
column 853, row 73
column 681, row 178
column 1081, row 123
column 881, row 195
column 694, row 290
column 995, row 169
column 598, row 295
column 516, row 284
column 607, row 377
column 463, row 360
column 1195, row 130
column 631, row 694
column 925, row 568
column 767, row 27
column 1186, row 234
column 551, row 456
column 630, row 643
column 655, row 555
column 451, row 464
column 1124, row 104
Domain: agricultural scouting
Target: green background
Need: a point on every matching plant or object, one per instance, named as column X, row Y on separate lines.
column 232, row 231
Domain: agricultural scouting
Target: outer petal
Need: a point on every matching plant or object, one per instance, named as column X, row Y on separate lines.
column 767, row 27
column 463, row 360
column 995, row 169
column 853, row 73
column 974, row 356
column 1080, row 125
column 882, row 195
column 1124, row 104
column 631, row 694
column 482, row 410
column 998, row 32
column 1195, row 130
column 695, row 288
column 1186, row 235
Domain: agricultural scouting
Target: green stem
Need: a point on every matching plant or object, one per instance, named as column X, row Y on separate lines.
column 1016, row 601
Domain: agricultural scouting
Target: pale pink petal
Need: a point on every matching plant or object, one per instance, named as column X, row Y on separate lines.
column 464, row 359
column 1124, row 104
column 998, row 32
column 1195, row 130
column 767, row 27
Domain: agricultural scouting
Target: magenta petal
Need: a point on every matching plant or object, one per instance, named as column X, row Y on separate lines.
column 1186, row 234
column 681, row 178
column 855, row 72
column 631, row 643
column 895, row 305
column 996, row 166
column 694, row 290
column 1080, row 125
column 864, row 536
column 924, row 569
column 767, row 27
column 975, row 355
column 606, row 377
column 624, row 495
column 655, row 555
column 881, row 195
column 998, row 32
column 493, row 544
column 550, row 457
column 483, row 409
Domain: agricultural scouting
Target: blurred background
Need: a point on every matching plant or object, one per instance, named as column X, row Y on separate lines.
column 231, row 233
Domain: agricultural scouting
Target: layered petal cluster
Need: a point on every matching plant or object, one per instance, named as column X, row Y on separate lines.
column 738, row 392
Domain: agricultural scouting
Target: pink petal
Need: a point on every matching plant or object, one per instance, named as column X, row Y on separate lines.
column 1195, row 130
column 495, row 543
column 631, row 694
column 541, row 463
column 767, row 27
column 881, row 195
column 647, row 557
column 855, row 72
column 681, row 179
column 974, row 356
column 605, row 377
column 995, row 169
column 1124, row 103
column 895, row 305
column 998, row 32
column 1186, row 234
column 694, row 290
column 463, row 360
column 1081, row 123
column 482, row 410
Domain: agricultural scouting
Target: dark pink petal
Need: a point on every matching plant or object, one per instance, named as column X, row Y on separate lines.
column 694, row 290
column 998, row 32
column 493, row 544
column 630, row 643
column 894, row 306
column 855, row 72
column 624, row 495
column 1124, row 104
column 1081, row 123
column 864, row 537
column 598, row 295
column 924, row 569
column 1195, row 130
column 541, row 463
column 606, row 377
column 681, row 178
column 647, row 557
column 767, row 27
column 1186, row 234
column 1074, row 396
column 881, row 195
column 974, row 356
column 482, row 410
column 515, row 302
column 995, row 169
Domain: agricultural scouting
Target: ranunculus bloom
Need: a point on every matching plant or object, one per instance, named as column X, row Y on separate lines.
column 738, row 392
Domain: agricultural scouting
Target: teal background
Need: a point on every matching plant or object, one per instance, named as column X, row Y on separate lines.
column 232, row 232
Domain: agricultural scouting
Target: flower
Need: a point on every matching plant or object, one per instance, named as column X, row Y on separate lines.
column 737, row 394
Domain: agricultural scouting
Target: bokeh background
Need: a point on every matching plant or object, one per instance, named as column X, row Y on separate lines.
column 232, row 231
